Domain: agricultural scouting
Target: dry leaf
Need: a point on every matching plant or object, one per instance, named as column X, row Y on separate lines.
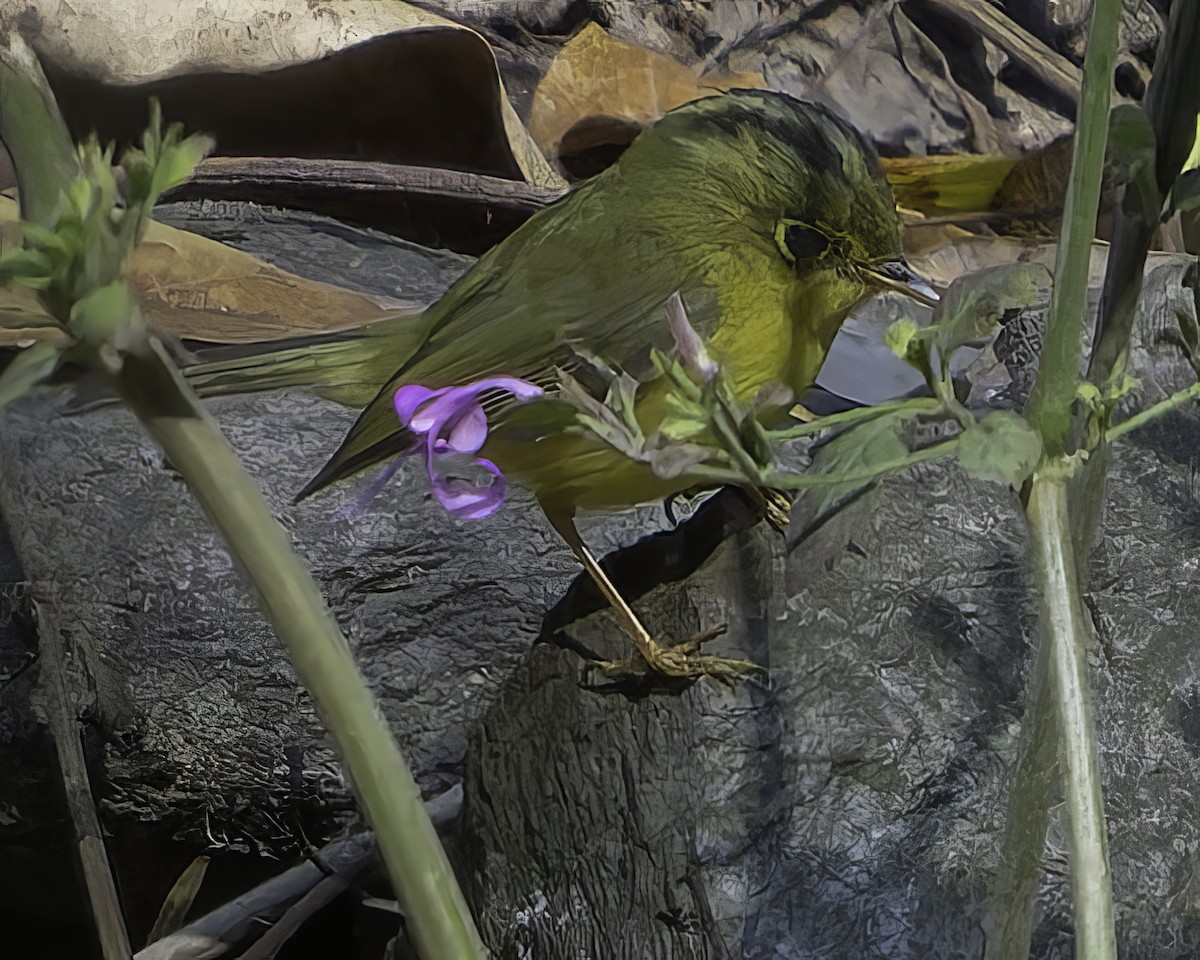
column 373, row 80
column 603, row 90
column 199, row 289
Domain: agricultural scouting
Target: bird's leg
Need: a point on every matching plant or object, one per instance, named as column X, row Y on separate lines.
column 776, row 506
column 678, row 661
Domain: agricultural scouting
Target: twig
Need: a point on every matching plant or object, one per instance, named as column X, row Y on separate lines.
column 320, row 896
column 218, row 932
column 849, row 417
column 1051, row 68
column 60, row 703
column 1154, row 412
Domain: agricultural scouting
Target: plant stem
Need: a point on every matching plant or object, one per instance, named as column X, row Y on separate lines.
column 1064, row 627
column 772, row 479
column 802, row 481
column 1058, row 375
column 1029, row 801
column 848, row 417
column 438, row 919
column 1153, row 413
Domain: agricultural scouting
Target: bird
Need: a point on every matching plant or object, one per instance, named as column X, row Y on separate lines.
column 768, row 215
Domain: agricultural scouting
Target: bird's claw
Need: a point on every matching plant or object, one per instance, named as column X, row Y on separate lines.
column 681, row 661
column 777, row 509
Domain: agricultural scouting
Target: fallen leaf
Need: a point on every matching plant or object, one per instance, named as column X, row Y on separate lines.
column 198, row 289
column 600, row 91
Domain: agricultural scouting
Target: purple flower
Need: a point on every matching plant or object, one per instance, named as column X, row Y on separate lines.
column 450, row 424
column 692, row 351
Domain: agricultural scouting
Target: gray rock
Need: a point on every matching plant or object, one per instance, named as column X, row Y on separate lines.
column 852, row 804
column 205, row 728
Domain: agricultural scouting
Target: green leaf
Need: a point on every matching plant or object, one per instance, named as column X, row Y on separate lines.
column 600, row 418
column 857, row 450
column 165, row 160
column 683, row 418
column 101, row 315
column 30, row 267
column 1001, row 447
column 38, row 236
column 975, row 303
column 673, row 459
column 180, row 161
column 899, row 336
column 28, row 368
column 34, row 131
column 1186, row 194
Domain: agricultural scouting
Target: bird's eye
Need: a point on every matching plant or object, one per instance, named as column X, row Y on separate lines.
column 800, row 241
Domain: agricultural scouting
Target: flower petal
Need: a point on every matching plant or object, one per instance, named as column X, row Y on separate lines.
column 408, row 399
column 521, row 389
column 692, row 351
column 371, row 489
column 467, row 433
column 447, row 404
column 452, row 424
column 465, row 498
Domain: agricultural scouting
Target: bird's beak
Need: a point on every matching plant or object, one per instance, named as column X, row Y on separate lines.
column 899, row 276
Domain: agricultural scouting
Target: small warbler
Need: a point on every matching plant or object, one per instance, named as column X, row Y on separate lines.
column 769, row 215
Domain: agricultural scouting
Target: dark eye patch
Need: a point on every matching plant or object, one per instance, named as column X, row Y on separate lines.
column 804, row 242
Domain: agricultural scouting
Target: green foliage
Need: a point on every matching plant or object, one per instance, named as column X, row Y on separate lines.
column 1001, row 446
column 165, row 159
column 705, row 432
column 1186, row 194
column 902, row 337
column 871, row 448
column 972, row 307
column 76, row 258
column 88, row 239
column 26, row 370
column 106, row 316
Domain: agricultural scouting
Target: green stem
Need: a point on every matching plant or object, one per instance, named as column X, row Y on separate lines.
column 802, row 481
column 1030, row 798
column 773, row 480
column 437, row 915
column 1152, row 413
column 1064, row 627
column 1053, row 394
column 849, row 417
column 735, row 449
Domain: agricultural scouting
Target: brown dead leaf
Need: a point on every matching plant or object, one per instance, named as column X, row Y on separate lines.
column 600, row 91
column 198, row 289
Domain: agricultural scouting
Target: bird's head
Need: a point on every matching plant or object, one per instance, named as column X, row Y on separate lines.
column 783, row 175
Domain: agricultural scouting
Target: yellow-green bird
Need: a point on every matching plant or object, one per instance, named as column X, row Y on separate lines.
column 769, row 215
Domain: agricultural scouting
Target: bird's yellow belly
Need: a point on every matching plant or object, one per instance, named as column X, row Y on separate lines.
column 770, row 332
column 577, row 472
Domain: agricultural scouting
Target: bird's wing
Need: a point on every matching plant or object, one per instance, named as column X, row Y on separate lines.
column 557, row 285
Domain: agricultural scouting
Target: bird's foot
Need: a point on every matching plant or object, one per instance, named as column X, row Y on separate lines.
column 778, row 509
column 679, row 661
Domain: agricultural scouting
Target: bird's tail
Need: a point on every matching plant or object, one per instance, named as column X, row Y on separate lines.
column 347, row 366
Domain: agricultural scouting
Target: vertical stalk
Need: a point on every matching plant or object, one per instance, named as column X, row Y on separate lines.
column 1064, row 628
column 1062, row 667
column 1032, row 794
column 1058, row 376
column 438, row 919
